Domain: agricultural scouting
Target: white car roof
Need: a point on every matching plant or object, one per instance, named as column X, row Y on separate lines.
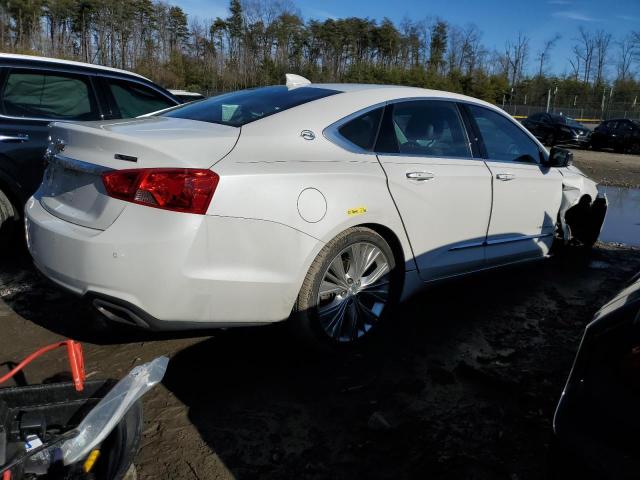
column 397, row 91
column 68, row 62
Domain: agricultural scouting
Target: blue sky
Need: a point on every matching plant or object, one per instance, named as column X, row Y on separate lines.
column 499, row 20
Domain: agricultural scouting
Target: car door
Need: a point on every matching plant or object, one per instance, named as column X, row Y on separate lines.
column 526, row 194
column 624, row 133
column 30, row 99
column 443, row 194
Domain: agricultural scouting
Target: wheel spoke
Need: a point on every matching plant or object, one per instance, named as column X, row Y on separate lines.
column 381, row 269
column 328, row 287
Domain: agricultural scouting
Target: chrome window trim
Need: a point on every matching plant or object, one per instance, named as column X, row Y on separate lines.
column 331, row 132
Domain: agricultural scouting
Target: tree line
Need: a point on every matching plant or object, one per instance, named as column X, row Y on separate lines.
column 261, row 40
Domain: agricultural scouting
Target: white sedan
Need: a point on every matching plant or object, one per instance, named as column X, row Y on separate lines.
column 322, row 204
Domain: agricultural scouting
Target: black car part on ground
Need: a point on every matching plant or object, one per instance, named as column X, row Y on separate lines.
column 597, row 421
column 54, row 410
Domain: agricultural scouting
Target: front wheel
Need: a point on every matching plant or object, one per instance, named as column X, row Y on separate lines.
column 349, row 290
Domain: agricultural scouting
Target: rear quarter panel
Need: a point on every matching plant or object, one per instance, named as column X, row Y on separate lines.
column 271, row 165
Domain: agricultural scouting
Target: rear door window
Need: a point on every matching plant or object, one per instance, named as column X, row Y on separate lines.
column 49, row 95
column 426, row 128
column 134, row 99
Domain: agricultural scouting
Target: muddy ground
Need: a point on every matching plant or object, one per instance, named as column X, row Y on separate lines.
column 609, row 168
column 464, row 387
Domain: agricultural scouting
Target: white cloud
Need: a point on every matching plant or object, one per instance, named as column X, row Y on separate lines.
column 573, row 15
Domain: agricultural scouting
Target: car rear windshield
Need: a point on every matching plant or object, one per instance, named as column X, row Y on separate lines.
column 239, row 108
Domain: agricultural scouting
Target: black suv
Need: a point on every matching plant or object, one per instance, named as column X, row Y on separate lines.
column 553, row 129
column 621, row 134
column 35, row 91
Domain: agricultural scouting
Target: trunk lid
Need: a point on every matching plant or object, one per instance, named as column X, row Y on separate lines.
column 79, row 153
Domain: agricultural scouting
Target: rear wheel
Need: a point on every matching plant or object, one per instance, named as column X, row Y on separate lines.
column 634, row 149
column 349, row 290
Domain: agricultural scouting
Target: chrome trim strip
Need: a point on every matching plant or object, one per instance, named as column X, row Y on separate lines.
column 518, row 238
column 69, row 163
column 498, row 241
column 465, row 245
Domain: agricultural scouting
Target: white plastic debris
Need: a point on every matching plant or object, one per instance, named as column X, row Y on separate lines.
column 103, row 418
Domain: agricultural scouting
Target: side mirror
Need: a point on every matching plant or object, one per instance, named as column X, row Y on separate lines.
column 560, row 157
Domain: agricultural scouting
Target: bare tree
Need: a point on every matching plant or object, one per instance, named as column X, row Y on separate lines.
column 516, row 54
column 583, row 52
column 601, row 41
column 627, row 50
column 544, row 52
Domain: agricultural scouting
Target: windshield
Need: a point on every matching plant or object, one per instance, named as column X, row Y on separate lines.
column 566, row 121
column 239, row 108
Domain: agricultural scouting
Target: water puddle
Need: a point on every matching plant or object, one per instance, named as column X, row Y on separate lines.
column 622, row 224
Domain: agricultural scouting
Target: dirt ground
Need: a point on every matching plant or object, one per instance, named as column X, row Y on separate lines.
column 609, row 168
column 464, row 386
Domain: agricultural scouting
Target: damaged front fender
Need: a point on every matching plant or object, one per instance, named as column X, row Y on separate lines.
column 583, row 209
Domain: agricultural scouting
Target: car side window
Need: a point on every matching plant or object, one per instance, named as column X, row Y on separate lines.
column 134, row 99
column 425, row 127
column 503, row 139
column 49, row 95
column 362, row 130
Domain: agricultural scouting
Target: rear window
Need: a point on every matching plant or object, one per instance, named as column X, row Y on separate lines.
column 239, row 108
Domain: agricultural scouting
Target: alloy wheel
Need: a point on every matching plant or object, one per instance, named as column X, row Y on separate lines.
column 353, row 292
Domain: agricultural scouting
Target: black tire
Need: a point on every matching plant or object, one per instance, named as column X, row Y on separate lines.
column 634, row 149
column 306, row 320
column 9, row 223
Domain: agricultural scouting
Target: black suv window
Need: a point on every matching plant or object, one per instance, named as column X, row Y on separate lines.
column 134, row 99
column 50, row 95
column 362, row 130
column 502, row 138
column 427, row 128
column 537, row 117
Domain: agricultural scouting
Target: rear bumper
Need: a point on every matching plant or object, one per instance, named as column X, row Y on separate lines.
column 174, row 270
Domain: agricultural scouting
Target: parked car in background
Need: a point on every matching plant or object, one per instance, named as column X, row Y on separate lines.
column 335, row 202
column 620, row 134
column 35, row 91
column 184, row 96
column 597, row 422
column 554, row 129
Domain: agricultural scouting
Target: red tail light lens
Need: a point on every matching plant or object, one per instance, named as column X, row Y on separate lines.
column 180, row 189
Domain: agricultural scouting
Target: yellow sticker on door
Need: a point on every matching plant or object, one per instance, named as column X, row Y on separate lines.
column 356, row 211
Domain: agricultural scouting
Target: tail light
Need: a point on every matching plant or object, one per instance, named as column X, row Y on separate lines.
column 178, row 189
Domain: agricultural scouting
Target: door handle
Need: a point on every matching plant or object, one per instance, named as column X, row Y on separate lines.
column 505, row 177
column 420, row 176
column 14, row 138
